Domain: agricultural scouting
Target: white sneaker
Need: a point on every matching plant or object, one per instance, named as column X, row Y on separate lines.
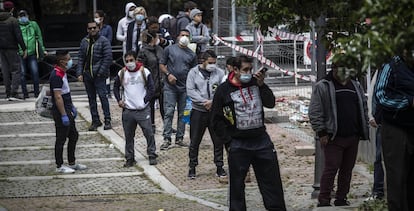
column 64, row 170
column 78, row 167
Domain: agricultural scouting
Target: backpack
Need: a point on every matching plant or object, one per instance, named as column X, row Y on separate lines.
column 170, row 24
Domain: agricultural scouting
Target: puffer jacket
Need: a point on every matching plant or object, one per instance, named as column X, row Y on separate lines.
column 101, row 58
column 10, row 33
column 323, row 109
column 31, row 32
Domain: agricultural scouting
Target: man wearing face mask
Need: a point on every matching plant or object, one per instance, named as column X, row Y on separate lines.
column 10, row 40
column 95, row 57
column 339, row 116
column 394, row 92
column 121, row 32
column 238, row 120
column 64, row 114
column 202, row 82
column 32, row 37
column 175, row 63
column 134, row 99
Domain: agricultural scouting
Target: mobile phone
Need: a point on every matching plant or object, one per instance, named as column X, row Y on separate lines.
column 263, row 70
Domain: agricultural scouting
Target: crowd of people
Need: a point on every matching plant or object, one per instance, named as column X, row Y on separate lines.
column 167, row 61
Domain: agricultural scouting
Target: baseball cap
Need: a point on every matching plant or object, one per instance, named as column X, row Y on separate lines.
column 194, row 12
column 8, row 5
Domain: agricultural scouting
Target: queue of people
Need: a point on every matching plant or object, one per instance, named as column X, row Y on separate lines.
column 167, row 64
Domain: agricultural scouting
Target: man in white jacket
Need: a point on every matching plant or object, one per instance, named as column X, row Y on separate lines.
column 121, row 32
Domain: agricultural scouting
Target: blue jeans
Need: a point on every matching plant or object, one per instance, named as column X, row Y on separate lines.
column 97, row 86
column 30, row 63
column 378, row 188
column 171, row 99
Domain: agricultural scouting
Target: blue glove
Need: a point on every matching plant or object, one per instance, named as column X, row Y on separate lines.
column 65, row 120
column 74, row 112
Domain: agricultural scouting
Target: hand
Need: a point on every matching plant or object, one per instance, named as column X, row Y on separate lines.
column 74, row 112
column 324, row 140
column 24, row 54
column 259, row 77
column 45, row 53
column 65, row 120
column 208, row 104
column 121, row 104
column 172, row 79
column 373, row 123
column 80, row 78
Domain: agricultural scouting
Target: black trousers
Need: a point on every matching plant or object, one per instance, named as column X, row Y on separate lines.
column 266, row 169
column 199, row 122
column 63, row 132
column 398, row 155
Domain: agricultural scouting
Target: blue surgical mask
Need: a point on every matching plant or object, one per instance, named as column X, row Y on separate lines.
column 139, row 17
column 245, row 78
column 69, row 64
column 24, row 19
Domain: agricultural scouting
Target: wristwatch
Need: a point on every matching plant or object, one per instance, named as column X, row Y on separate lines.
column 167, row 74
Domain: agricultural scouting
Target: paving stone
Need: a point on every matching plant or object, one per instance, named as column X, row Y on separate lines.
column 48, row 141
column 37, row 128
column 94, row 167
column 22, row 116
column 84, row 186
column 49, row 154
column 304, row 150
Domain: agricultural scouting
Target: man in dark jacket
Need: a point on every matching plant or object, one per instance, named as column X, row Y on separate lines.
column 394, row 92
column 183, row 17
column 237, row 112
column 10, row 40
column 95, row 57
column 339, row 116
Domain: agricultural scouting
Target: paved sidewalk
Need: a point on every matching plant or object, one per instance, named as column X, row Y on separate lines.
column 170, row 175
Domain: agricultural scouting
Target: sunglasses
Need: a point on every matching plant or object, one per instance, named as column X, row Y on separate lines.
column 92, row 28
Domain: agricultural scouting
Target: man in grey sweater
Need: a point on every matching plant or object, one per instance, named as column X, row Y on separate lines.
column 202, row 82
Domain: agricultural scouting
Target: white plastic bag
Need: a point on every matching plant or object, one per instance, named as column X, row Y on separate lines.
column 44, row 103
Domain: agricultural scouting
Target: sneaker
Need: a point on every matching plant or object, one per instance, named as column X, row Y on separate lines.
column 324, row 204
column 153, row 161
column 107, row 125
column 375, row 196
column 180, row 142
column 130, row 163
column 65, row 170
column 192, row 173
column 174, row 130
column 94, row 126
column 78, row 166
column 341, row 202
column 165, row 145
column 220, row 172
column 15, row 97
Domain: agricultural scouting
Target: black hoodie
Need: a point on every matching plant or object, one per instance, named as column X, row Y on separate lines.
column 237, row 110
column 10, row 33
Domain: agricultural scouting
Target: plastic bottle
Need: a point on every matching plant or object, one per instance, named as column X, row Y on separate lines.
column 187, row 110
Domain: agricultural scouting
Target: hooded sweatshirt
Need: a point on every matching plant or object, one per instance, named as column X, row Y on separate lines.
column 10, row 33
column 31, row 33
column 237, row 110
column 121, row 31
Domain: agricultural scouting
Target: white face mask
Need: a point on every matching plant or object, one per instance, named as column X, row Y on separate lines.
column 157, row 42
column 184, row 41
column 97, row 20
column 131, row 14
column 131, row 65
column 211, row 67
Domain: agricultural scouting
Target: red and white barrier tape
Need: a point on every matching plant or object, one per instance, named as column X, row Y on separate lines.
column 263, row 59
column 287, row 35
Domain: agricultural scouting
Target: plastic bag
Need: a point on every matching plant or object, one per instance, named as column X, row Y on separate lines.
column 44, row 103
column 187, row 110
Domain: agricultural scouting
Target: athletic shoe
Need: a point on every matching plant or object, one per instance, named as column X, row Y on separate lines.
column 94, row 126
column 130, row 163
column 65, row 170
column 78, row 166
column 192, row 173
column 180, row 142
column 166, row 144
